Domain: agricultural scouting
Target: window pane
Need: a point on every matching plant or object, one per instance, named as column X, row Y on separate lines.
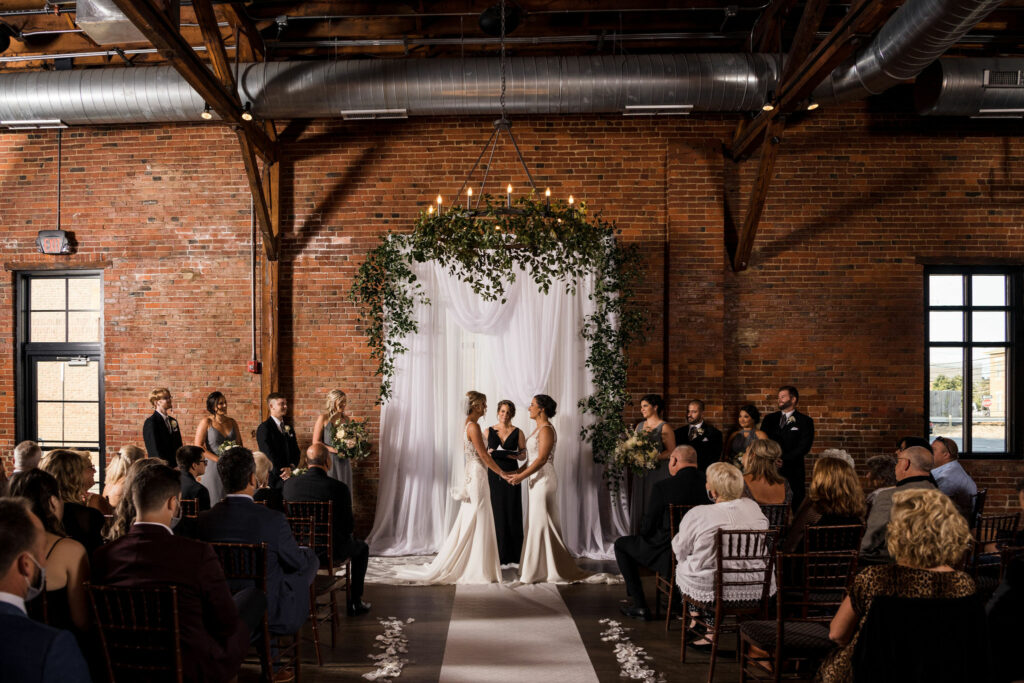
column 82, row 382
column 988, row 290
column 988, row 400
column 49, row 421
column 84, row 294
column 47, row 294
column 946, row 386
column 47, row 327
column 988, row 326
column 945, row 290
column 49, row 382
column 84, row 327
column 81, row 422
column 945, row 326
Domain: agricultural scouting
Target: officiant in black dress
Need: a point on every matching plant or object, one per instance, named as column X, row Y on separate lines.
column 507, row 446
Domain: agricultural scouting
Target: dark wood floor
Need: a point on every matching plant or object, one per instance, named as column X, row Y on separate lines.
column 431, row 607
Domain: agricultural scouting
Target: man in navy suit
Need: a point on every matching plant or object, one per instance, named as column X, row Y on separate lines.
column 794, row 431
column 213, row 637
column 238, row 519
column 30, row 652
column 160, row 431
column 314, row 486
column 277, row 439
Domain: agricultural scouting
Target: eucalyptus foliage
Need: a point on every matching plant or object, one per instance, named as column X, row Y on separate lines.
column 554, row 243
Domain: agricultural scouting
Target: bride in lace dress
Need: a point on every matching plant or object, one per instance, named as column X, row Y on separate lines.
column 470, row 552
column 545, row 558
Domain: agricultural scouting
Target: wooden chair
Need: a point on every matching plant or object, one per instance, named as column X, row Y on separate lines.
column 990, row 532
column 744, row 561
column 189, row 507
column 247, row 562
column 302, row 530
column 1007, row 555
column 806, row 600
column 778, row 516
column 329, row 581
column 977, row 506
column 139, row 632
column 665, row 586
column 833, row 538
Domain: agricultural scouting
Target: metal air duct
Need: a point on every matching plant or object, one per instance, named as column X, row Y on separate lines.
column 971, row 87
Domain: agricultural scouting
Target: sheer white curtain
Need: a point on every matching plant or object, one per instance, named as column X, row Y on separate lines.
column 531, row 344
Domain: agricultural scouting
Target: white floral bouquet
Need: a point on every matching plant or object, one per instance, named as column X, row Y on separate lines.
column 350, row 440
column 226, row 446
column 637, row 453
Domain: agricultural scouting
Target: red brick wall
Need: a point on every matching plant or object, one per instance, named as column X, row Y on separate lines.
column 832, row 301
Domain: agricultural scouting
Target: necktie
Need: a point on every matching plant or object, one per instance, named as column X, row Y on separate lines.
column 167, row 421
column 693, row 433
column 782, row 421
column 280, row 426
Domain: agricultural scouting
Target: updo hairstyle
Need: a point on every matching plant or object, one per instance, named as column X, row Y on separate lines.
column 547, row 404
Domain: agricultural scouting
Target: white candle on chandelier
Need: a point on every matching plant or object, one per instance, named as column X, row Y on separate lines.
column 469, row 198
column 430, row 209
column 439, row 200
column 508, row 196
column 547, row 197
column 571, row 202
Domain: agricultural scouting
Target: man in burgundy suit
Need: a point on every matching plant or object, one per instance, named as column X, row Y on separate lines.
column 213, row 638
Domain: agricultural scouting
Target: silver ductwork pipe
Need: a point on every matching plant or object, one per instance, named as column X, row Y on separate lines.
column 420, row 87
column 917, row 34
column 971, row 87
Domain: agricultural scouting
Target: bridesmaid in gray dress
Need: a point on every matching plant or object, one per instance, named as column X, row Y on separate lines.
column 323, row 432
column 210, row 434
column 651, row 407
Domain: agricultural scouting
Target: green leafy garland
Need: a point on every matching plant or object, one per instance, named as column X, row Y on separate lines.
column 552, row 242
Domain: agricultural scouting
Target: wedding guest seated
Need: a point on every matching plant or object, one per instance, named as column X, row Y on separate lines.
column 67, row 566
column 1006, row 627
column 652, row 547
column 191, row 466
column 881, row 475
column 841, row 454
column 315, row 485
column 913, row 465
column 761, row 478
column 27, row 455
column 694, row 545
column 72, row 470
column 926, row 536
column 125, row 514
column 834, row 499
column 213, row 637
column 265, row 494
column 117, row 470
column 237, row 519
column 950, row 476
column 30, row 652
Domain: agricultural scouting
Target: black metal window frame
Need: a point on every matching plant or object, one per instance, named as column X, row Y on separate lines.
column 27, row 350
column 1014, row 336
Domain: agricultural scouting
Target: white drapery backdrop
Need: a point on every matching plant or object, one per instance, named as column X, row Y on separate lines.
column 529, row 345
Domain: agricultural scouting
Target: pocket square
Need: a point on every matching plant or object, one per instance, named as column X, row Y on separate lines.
column 794, row 429
column 704, row 439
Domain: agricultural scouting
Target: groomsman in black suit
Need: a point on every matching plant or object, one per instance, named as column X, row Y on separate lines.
column 701, row 435
column 160, row 432
column 652, row 547
column 794, row 431
column 277, row 439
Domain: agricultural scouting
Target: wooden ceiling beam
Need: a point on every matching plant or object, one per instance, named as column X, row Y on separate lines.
column 758, row 195
column 254, row 50
column 155, row 26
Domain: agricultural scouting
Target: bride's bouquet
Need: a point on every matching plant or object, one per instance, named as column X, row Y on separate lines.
column 350, row 440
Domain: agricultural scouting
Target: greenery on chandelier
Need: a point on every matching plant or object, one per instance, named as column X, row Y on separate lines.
column 485, row 248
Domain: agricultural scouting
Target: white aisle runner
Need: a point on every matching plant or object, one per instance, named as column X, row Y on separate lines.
column 500, row 634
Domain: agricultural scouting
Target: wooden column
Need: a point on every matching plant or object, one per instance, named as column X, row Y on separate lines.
column 270, row 289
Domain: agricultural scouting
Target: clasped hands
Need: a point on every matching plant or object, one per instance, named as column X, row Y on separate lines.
column 513, row 478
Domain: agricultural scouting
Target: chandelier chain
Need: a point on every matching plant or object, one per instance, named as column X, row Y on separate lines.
column 502, row 98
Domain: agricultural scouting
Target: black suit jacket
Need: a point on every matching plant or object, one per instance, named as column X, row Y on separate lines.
column 315, row 485
column 796, row 438
column 193, row 490
column 161, row 443
column 708, row 445
column 290, row 569
column 213, row 638
column 282, row 449
column 84, row 524
column 685, row 488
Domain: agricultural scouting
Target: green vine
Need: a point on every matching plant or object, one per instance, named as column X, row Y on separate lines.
column 484, row 247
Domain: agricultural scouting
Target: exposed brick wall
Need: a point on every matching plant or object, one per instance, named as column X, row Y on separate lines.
column 832, row 301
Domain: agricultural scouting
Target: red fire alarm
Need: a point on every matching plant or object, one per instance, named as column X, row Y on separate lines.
column 254, row 367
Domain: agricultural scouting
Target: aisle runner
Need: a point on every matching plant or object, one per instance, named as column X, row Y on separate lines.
column 504, row 634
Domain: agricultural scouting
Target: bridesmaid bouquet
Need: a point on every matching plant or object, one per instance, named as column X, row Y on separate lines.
column 351, row 440
column 638, row 454
column 226, row 446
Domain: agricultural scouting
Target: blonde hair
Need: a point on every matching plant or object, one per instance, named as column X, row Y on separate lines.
column 67, row 466
column 333, row 397
column 157, row 394
column 761, row 463
column 119, row 464
column 125, row 513
column 835, row 488
column 726, row 480
column 474, row 399
column 925, row 529
column 263, row 467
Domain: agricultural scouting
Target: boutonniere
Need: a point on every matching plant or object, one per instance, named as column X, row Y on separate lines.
column 288, row 430
column 174, row 425
column 791, row 420
column 700, row 431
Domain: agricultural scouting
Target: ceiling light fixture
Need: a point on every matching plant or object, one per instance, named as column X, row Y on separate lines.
column 769, row 104
column 247, row 112
column 811, row 104
column 207, row 114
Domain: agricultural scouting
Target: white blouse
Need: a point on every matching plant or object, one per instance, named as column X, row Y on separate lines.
column 694, row 547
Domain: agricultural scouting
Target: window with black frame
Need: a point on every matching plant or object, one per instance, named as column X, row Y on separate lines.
column 970, row 323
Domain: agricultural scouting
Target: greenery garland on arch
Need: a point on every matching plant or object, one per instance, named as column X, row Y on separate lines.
column 555, row 243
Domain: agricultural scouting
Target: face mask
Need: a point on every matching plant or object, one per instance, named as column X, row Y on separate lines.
column 176, row 517
column 711, row 496
column 34, row 591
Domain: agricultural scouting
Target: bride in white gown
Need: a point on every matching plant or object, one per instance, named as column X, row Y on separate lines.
column 545, row 558
column 470, row 552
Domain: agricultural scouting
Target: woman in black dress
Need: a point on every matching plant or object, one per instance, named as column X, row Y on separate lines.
column 507, row 446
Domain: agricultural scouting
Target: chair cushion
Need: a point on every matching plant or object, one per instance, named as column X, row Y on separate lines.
column 798, row 636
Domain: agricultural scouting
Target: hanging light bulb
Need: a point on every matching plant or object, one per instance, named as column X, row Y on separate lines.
column 247, row 112
column 207, row 114
column 811, row 104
